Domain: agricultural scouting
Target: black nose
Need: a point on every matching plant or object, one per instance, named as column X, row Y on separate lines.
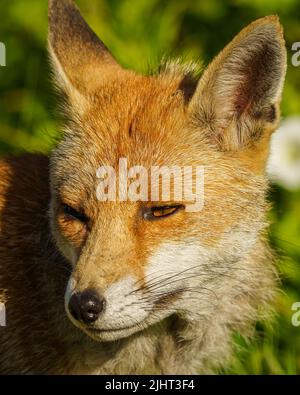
column 86, row 306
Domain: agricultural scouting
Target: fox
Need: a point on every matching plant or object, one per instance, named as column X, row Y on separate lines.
column 142, row 287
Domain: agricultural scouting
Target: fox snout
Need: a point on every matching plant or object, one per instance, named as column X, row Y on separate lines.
column 87, row 306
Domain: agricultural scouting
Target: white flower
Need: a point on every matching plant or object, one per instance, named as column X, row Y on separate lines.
column 284, row 161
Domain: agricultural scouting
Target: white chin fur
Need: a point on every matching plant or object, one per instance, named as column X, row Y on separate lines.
column 172, row 267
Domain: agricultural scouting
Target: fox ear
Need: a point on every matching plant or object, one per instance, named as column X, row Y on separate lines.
column 237, row 98
column 80, row 60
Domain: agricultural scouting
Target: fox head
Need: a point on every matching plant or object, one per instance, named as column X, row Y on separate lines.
column 135, row 263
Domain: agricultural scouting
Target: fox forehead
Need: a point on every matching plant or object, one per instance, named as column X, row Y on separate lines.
column 134, row 112
column 142, row 119
column 132, row 107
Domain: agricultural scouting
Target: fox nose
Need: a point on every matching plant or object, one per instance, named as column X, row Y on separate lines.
column 86, row 306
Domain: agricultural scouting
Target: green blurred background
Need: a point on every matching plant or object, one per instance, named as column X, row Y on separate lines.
column 139, row 33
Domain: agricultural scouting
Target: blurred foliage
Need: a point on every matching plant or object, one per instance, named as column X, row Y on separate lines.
column 139, row 32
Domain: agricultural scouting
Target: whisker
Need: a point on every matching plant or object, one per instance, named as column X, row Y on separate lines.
column 167, row 278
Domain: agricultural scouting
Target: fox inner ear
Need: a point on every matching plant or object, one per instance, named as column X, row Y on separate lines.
column 80, row 59
column 237, row 98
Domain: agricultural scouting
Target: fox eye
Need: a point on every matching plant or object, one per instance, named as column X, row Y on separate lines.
column 72, row 213
column 153, row 213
